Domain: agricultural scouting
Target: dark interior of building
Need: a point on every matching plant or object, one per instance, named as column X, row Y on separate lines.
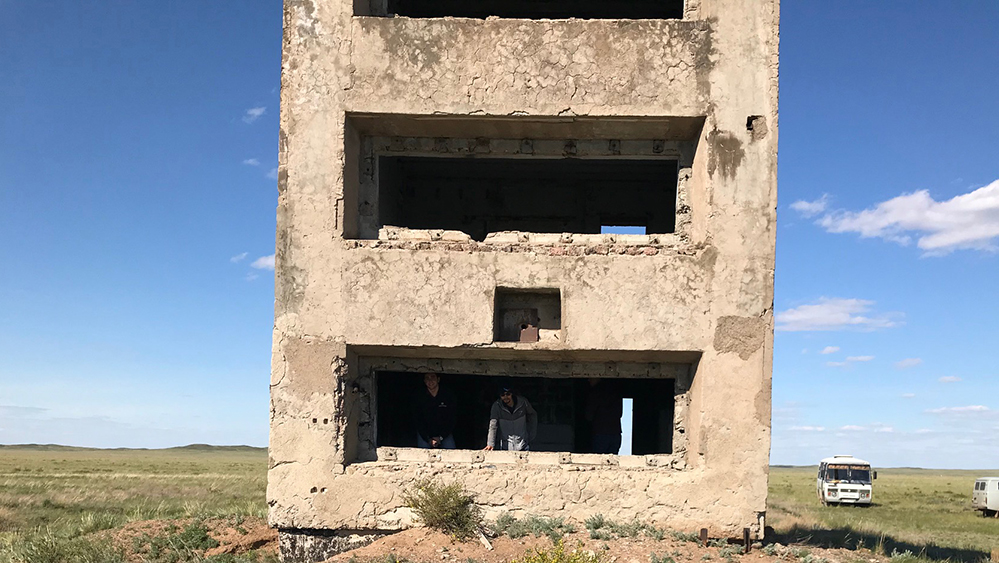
column 539, row 9
column 566, row 409
column 554, row 195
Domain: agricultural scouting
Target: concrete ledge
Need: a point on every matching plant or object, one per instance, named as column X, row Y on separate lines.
column 390, row 233
column 418, row 455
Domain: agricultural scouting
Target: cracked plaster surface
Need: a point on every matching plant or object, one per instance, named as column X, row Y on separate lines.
column 575, row 67
column 710, row 291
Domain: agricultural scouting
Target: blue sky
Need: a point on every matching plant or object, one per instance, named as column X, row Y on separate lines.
column 138, row 143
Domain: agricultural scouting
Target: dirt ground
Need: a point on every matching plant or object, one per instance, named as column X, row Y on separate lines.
column 235, row 536
column 423, row 546
column 253, row 535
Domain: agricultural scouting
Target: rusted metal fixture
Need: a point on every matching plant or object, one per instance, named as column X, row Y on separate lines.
column 528, row 333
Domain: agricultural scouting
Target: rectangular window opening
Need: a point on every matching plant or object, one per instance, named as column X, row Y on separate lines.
column 483, row 195
column 527, row 315
column 576, row 415
column 530, row 9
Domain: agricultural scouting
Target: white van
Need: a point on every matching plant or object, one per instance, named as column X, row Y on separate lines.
column 844, row 479
column 985, row 497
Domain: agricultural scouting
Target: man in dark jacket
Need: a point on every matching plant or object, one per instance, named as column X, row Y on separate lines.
column 435, row 415
column 513, row 422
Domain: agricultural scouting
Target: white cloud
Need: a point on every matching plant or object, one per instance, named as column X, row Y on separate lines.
column 924, row 431
column 808, row 428
column 853, row 428
column 272, row 173
column 263, row 263
column 790, row 411
column 251, row 162
column 949, row 379
column 834, row 349
column 18, row 411
column 967, row 221
column 811, row 208
column 834, row 314
column 884, row 429
column 970, row 409
column 253, row 114
column 239, row 257
column 908, row 395
column 908, row 363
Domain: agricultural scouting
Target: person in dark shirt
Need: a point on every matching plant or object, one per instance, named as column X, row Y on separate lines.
column 435, row 414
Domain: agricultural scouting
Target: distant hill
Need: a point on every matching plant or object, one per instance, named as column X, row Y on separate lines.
column 188, row 448
column 210, row 448
column 42, row 447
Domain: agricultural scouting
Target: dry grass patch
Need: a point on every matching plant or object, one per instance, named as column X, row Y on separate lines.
column 55, row 504
column 916, row 513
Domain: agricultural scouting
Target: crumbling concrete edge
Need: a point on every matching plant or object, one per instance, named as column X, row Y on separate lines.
column 314, row 545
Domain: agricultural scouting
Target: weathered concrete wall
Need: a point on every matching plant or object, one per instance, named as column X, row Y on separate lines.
column 707, row 290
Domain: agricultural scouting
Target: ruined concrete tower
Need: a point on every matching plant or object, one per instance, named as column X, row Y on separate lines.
column 554, row 194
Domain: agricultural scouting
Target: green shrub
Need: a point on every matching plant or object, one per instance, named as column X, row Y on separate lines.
column 595, row 522
column 800, row 552
column 195, row 536
column 728, row 551
column 558, row 554
column 629, row 530
column 554, row 528
column 448, row 508
column 601, row 535
column 602, row 528
column 503, row 523
column 685, row 536
column 653, row 558
column 657, row 534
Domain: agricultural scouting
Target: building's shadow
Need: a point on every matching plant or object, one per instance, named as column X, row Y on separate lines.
column 848, row 538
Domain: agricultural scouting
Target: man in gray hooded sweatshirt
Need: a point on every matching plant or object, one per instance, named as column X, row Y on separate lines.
column 513, row 423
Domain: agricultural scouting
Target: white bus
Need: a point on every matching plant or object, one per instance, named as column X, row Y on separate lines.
column 844, row 479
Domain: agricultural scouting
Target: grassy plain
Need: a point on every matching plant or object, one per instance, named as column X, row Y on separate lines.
column 55, row 502
column 52, row 498
column 924, row 511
